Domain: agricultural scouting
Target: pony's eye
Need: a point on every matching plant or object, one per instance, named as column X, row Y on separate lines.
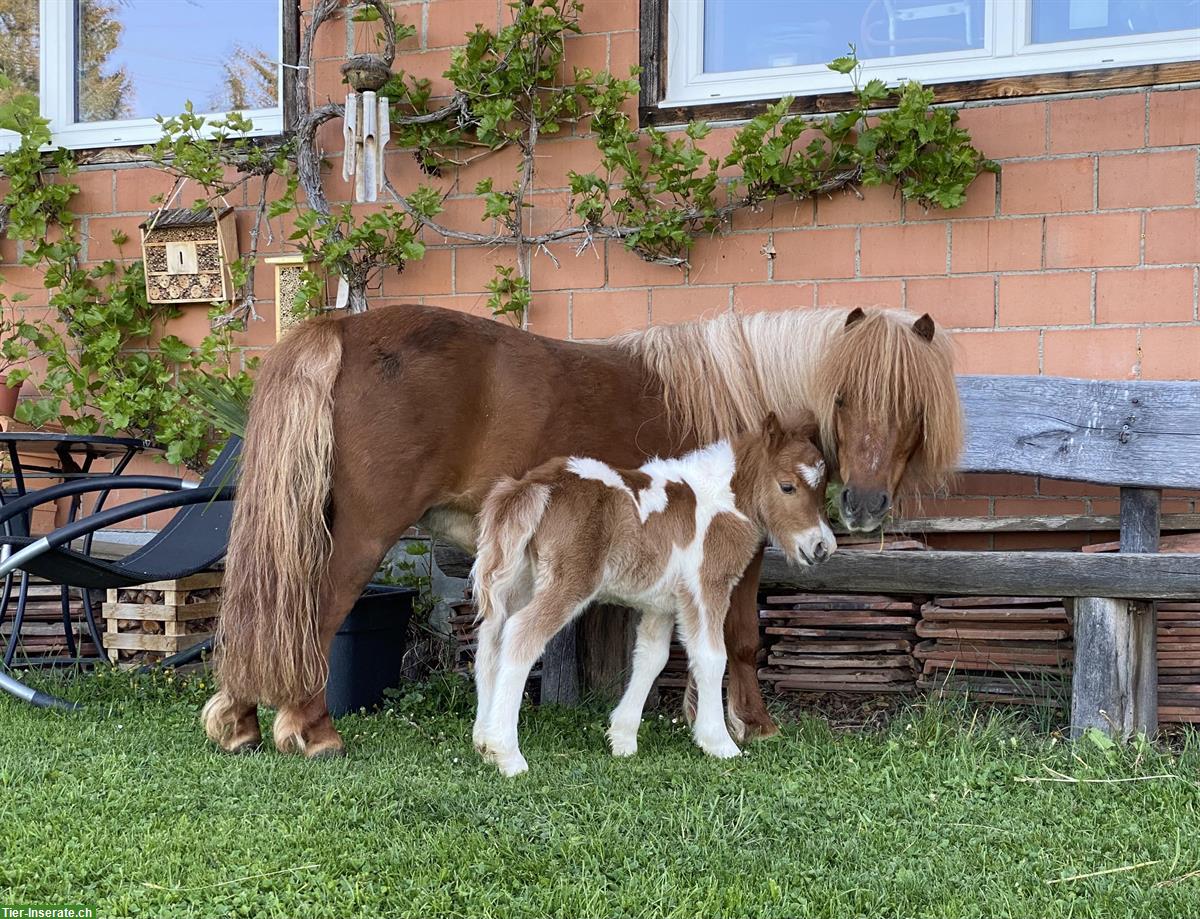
column 787, row 488
column 839, row 401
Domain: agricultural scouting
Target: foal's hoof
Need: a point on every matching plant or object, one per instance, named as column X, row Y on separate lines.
column 512, row 765
column 245, row 747
column 721, row 749
column 622, row 744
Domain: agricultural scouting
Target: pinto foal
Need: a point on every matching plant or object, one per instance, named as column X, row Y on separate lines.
column 671, row 539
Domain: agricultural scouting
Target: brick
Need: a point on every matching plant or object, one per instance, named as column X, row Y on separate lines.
column 627, row 269
column 609, row 16
column 996, row 352
column 1148, row 179
column 558, row 157
column 1093, row 240
column 622, row 52
column 1174, row 118
column 905, row 250
column 1032, row 542
column 1003, row 131
column 952, row 507
column 573, row 271
column 585, row 51
column 878, row 204
column 430, row 65
column 762, row 298
column 459, row 214
column 1144, row 295
column 433, row 274
column 1173, row 237
column 1037, row 507
column 1047, row 186
column 670, row 305
column 780, row 213
column 95, row 195
column 605, row 313
column 727, row 259
column 956, row 303
column 192, row 324
column 1171, row 353
column 804, row 254
column 474, row 266
column 996, row 245
column 549, row 315
column 259, row 333
column 994, row 484
column 1097, row 354
column 1064, row 487
column 135, row 188
column 450, row 21
column 99, row 238
column 471, row 304
column 860, row 293
column 981, row 202
column 1052, row 298
column 1114, row 122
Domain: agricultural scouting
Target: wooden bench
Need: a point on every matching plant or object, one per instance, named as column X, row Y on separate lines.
column 1140, row 436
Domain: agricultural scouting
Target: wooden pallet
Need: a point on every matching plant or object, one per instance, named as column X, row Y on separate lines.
column 162, row 618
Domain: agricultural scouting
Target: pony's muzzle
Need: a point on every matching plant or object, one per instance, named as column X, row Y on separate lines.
column 864, row 508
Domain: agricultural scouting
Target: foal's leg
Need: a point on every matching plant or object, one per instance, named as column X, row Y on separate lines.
column 706, row 661
column 523, row 640
column 748, row 714
column 649, row 657
column 487, row 660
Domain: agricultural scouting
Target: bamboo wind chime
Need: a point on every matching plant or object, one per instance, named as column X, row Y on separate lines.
column 366, row 130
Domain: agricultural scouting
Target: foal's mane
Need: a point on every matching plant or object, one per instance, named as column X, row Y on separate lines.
column 721, row 376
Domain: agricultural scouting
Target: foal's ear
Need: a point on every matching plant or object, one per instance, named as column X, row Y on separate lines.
column 856, row 315
column 924, row 327
column 772, row 430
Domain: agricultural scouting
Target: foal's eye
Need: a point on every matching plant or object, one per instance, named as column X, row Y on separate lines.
column 839, row 401
column 787, row 488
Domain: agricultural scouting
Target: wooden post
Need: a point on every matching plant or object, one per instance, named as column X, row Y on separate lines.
column 1115, row 680
column 560, row 668
column 606, row 638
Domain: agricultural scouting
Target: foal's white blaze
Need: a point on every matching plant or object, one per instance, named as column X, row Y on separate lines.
column 812, row 475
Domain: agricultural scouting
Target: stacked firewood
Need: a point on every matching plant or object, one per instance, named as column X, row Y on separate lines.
column 1179, row 661
column 42, row 633
column 464, row 635
column 839, row 643
column 999, row 649
column 147, row 623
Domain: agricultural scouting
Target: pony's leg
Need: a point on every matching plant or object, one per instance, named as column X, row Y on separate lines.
column 487, row 659
column 524, row 638
column 308, row 727
column 706, row 662
column 650, row 655
column 748, row 716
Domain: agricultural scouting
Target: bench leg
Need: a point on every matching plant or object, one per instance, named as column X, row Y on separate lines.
column 1114, row 686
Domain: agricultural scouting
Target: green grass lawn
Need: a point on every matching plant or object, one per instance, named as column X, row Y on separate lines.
column 949, row 811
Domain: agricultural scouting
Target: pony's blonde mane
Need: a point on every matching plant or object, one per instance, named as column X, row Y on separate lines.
column 722, row 376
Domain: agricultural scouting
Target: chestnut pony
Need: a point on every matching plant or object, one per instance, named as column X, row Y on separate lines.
column 361, row 426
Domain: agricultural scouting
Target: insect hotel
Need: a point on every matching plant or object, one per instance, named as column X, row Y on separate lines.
column 187, row 255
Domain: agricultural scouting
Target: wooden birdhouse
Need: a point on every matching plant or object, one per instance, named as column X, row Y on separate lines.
column 187, row 255
column 288, row 269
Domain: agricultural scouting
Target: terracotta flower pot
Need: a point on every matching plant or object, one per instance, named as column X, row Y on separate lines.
column 8, row 399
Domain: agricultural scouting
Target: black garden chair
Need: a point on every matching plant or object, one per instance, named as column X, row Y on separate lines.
column 192, row 541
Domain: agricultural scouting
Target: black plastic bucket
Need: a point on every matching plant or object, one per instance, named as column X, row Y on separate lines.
column 368, row 649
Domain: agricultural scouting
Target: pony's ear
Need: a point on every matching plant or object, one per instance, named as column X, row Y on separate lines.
column 924, row 327
column 855, row 315
column 772, row 430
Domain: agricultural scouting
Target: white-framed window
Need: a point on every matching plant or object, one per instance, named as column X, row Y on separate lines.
column 103, row 69
column 732, row 50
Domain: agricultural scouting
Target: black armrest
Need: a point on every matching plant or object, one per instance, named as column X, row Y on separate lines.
column 72, row 531
column 83, row 486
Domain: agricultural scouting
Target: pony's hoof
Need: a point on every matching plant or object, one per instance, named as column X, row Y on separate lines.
column 245, row 747
column 759, row 730
column 328, row 751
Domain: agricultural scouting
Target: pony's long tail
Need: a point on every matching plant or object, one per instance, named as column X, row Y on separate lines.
column 509, row 519
column 268, row 646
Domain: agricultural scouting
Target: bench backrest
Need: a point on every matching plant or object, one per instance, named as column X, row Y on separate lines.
column 1109, row 432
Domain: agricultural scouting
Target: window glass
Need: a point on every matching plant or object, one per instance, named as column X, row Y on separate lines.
column 19, row 43
column 141, row 58
column 754, row 34
column 1073, row 20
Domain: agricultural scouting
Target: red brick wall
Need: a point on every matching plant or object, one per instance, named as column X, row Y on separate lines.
column 1079, row 260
